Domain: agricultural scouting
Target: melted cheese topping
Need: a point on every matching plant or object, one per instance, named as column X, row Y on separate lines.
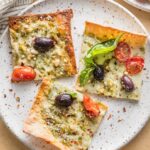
column 111, row 85
column 70, row 126
column 55, row 62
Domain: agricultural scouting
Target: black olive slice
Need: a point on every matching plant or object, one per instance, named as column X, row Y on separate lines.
column 43, row 44
column 64, row 100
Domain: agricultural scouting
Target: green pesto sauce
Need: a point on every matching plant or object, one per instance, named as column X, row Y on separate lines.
column 69, row 125
column 54, row 62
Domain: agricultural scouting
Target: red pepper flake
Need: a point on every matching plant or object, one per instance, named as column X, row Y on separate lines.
column 124, row 109
column 37, row 84
column 109, row 116
column 22, row 64
column 90, row 132
column 74, row 142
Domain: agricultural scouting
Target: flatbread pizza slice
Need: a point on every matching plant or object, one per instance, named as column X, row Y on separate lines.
column 42, row 46
column 64, row 118
column 111, row 62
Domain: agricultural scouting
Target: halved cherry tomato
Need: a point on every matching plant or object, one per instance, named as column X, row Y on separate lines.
column 92, row 108
column 23, row 73
column 122, row 52
column 134, row 65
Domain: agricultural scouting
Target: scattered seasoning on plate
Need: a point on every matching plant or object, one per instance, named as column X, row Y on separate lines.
column 5, row 95
column 109, row 116
column 119, row 120
column 14, row 94
column 18, row 105
column 10, row 90
column 37, row 84
column 118, row 111
column 124, row 109
column 7, row 77
column 18, row 99
column 142, row 82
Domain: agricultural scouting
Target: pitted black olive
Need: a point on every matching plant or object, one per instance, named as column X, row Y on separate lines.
column 64, row 100
column 127, row 83
column 99, row 73
column 43, row 44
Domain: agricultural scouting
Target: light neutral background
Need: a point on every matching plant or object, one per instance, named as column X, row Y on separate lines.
column 141, row 142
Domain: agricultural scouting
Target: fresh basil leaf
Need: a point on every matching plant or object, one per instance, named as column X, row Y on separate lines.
column 85, row 75
column 100, row 59
column 101, row 48
column 106, row 47
column 92, row 48
column 88, row 61
column 96, row 50
column 73, row 95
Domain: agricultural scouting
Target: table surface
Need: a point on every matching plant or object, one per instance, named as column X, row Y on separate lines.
column 141, row 142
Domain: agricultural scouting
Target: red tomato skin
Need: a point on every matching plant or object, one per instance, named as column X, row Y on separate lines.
column 23, row 73
column 134, row 65
column 122, row 52
column 92, row 108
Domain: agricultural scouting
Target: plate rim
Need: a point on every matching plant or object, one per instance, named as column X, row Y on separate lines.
column 148, row 42
column 137, row 6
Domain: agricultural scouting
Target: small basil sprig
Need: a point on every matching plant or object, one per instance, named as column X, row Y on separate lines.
column 101, row 48
column 85, row 75
column 73, row 95
column 98, row 49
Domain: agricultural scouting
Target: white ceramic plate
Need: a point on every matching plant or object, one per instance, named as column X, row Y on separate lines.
column 141, row 4
column 114, row 132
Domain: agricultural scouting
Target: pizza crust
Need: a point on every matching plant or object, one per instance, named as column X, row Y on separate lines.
column 61, row 17
column 106, row 33
column 35, row 126
column 111, row 86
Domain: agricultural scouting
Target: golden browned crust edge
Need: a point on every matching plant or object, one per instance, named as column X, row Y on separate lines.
column 34, row 125
column 105, row 33
column 68, row 13
column 14, row 19
column 70, row 47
